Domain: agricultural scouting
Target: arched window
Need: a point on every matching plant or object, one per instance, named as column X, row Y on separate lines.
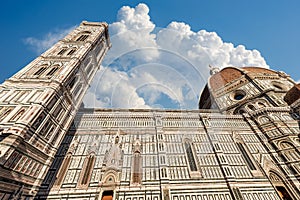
column 289, row 152
column 246, row 156
column 263, row 120
column 83, row 36
column 63, row 170
column 53, row 70
column 71, row 52
column 40, row 71
column 251, row 107
column 62, row 51
column 137, row 163
column 137, row 170
column 261, row 105
column 190, row 156
column 87, row 170
column 281, row 187
column 285, row 145
column 242, row 111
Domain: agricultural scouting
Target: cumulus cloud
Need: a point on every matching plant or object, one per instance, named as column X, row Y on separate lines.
column 150, row 66
column 156, row 67
column 40, row 45
column 113, row 88
column 133, row 30
column 203, row 48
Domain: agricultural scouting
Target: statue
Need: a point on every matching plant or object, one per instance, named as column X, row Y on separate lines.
column 213, row 70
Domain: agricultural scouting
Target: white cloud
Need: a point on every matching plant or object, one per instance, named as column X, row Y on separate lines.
column 40, row 45
column 113, row 88
column 149, row 66
column 132, row 31
column 203, row 48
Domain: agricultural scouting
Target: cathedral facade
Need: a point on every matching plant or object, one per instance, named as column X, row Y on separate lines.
column 241, row 144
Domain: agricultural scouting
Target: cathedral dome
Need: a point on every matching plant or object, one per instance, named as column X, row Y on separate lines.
column 219, row 79
column 230, row 74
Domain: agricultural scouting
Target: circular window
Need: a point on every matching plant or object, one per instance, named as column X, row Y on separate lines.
column 239, row 95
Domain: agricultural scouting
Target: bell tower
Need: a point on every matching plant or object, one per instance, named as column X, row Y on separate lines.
column 38, row 104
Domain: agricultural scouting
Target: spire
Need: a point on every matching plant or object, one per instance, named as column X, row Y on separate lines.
column 213, row 70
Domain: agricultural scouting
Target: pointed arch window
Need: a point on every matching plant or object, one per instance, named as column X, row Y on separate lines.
column 137, row 170
column 263, row 120
column 280, row 186
column 87, row 170
column 63, row 170
column 285, row 145
column 137, row 163
column 53, row 70
column 289, row 151
column 190, row 156
column 83, row 36
column 71, row 52
column 261, row 105
column 62, row 51
column 40, row 71
column 251, row 107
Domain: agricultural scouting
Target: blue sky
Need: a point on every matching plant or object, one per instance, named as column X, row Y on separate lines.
column 271, row 27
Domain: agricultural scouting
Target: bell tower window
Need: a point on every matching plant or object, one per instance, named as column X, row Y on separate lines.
column 40, row 71
column 62, row 51
column 71, row 52
column 52, row 71
column 83, row 36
